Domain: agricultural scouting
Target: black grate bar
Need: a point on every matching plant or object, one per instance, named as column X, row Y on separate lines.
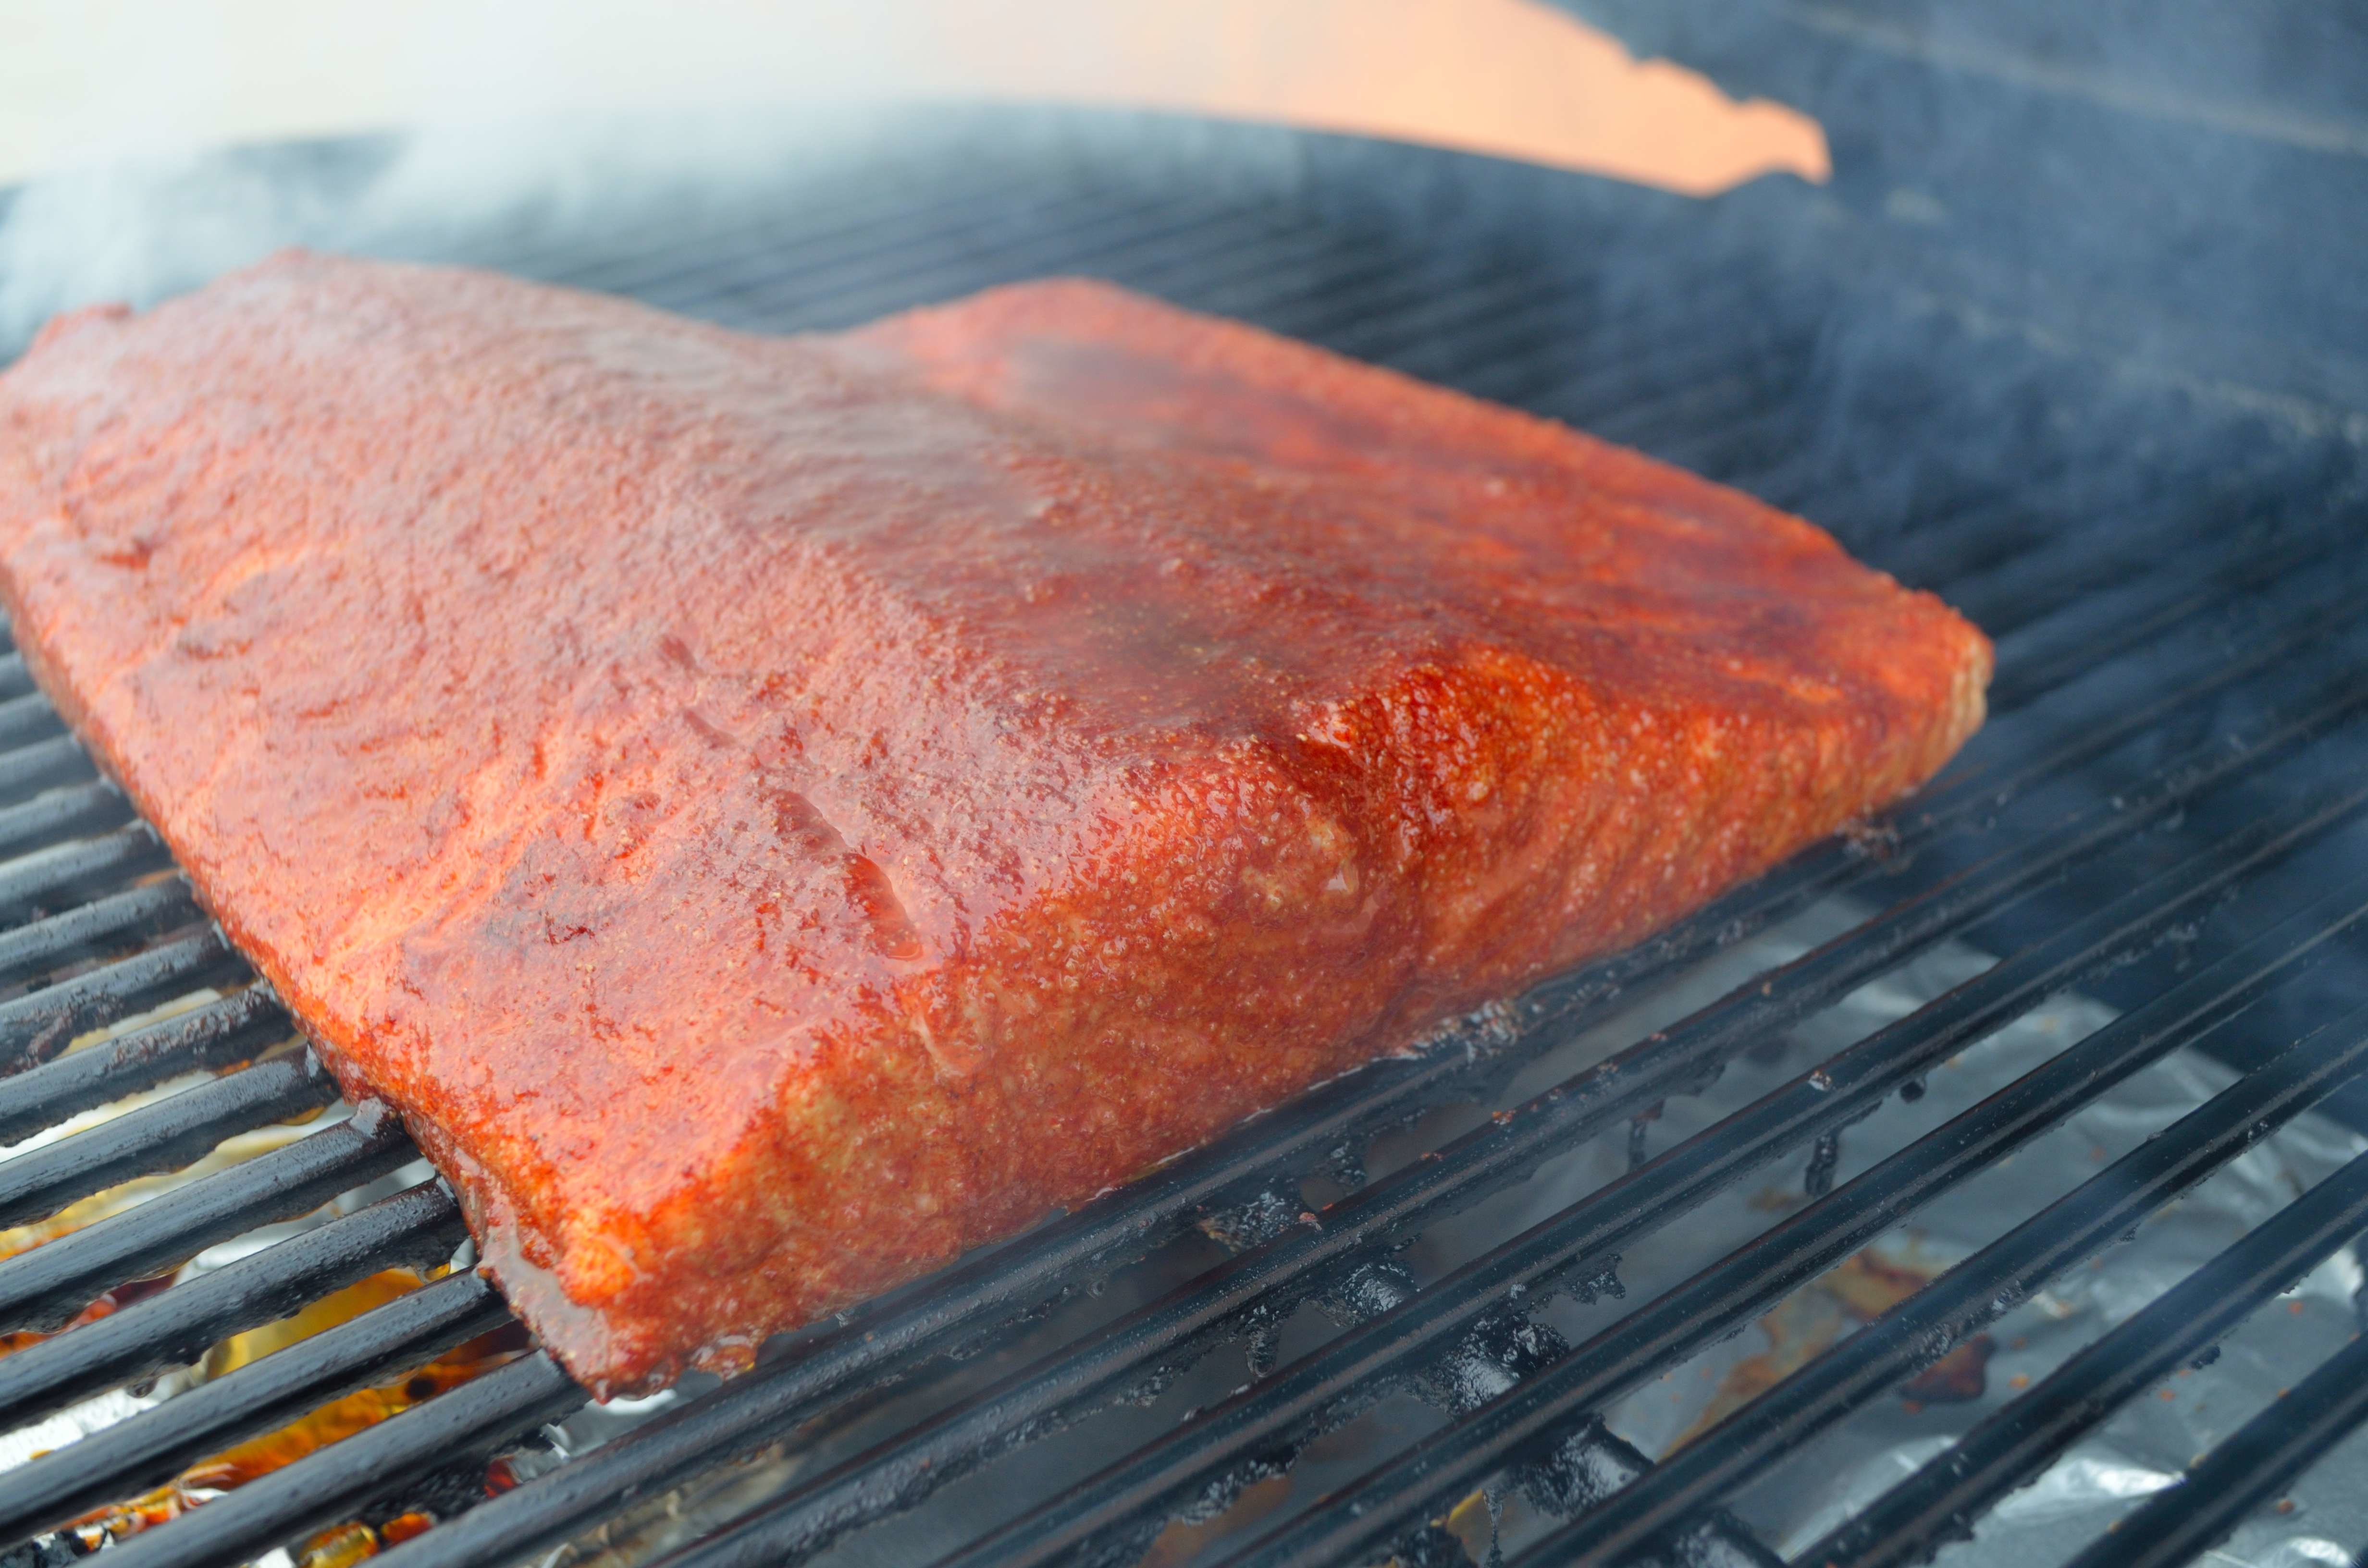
column 57, row 760
column 463, row 1425
column 1324, row 313
column 139, row 912
column 1749, row 453
column 418, row 1227
column 896, row 1473
column 46, row 818
column 2213, row 1498
column 14, row 679
column 843, row 287
column 60, row 868
column 153, row 1446
column 2148, row 606
column 1496, row 339
column 45, row 1288
column 566, row 260
column 884, row 246
column 2038, row 658
column 2029, row 517
column 1725, row 397
column 219, row 1034
column 1451, row 1463
column 36, row 1027
column 862, row 226
column 2067, row 569
column 1589, row 1232
column 2099, row 711
column 865, row 294
column 1918, row 1331
column 1356, row 282
column 161, row 1137
column 2012, row 1446
column 759, row 1405
column 787, row 238
column 27, row 718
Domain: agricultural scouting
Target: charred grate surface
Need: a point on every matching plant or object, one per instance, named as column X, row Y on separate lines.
column 2166, row 810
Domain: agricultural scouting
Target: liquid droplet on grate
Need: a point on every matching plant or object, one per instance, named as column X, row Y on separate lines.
column 1819, row 1179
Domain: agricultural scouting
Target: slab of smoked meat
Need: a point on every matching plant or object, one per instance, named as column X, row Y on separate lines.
column 773, row 814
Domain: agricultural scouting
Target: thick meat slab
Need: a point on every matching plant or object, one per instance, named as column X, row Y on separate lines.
column 775, row 812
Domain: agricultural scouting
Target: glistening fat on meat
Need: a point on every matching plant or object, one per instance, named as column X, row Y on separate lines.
column 773, row 814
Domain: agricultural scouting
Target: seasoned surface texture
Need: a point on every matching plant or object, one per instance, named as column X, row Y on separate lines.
column 775, row 812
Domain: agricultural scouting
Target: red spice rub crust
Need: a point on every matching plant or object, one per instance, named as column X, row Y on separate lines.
column 775, row 812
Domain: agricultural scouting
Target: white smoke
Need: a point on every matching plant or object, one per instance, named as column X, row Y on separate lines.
column 142, row 230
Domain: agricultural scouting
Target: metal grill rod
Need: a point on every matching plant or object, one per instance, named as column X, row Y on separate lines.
column 1833, row 1095
column 1921, row 1329
column 861, row 228
column 824, row 272
column 218, row 1035
column 136, row 912
column 1506, row 324
column 1364, row 1514
column 2013, row 1445
column 262, row 1396
column 2159, row 601
column 2015, row 524
column 2070, row 568
column 753, row 1408
column 895, row 272
column 58, row 760
column 2175, row 1526
column 78, row 808
column 36, row 1027
column 1293, row 1405
column 463, row 1425
column 419, row 1226
column 44, row 873
column 866, row 296
column 45, row 1288
column 162, row 1136
column 794, row 238
column 27, row 718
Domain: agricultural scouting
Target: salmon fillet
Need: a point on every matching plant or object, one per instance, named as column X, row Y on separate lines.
column 774, row 813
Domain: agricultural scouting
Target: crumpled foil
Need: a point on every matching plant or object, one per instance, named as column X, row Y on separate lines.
column 2142, row 1448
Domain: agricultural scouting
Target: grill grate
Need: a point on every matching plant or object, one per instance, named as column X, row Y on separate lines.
column 2175, row 750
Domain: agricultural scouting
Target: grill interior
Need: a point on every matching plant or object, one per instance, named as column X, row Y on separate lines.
column 1362, row 1295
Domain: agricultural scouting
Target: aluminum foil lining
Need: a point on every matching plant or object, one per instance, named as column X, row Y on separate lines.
column 2141, row 1450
